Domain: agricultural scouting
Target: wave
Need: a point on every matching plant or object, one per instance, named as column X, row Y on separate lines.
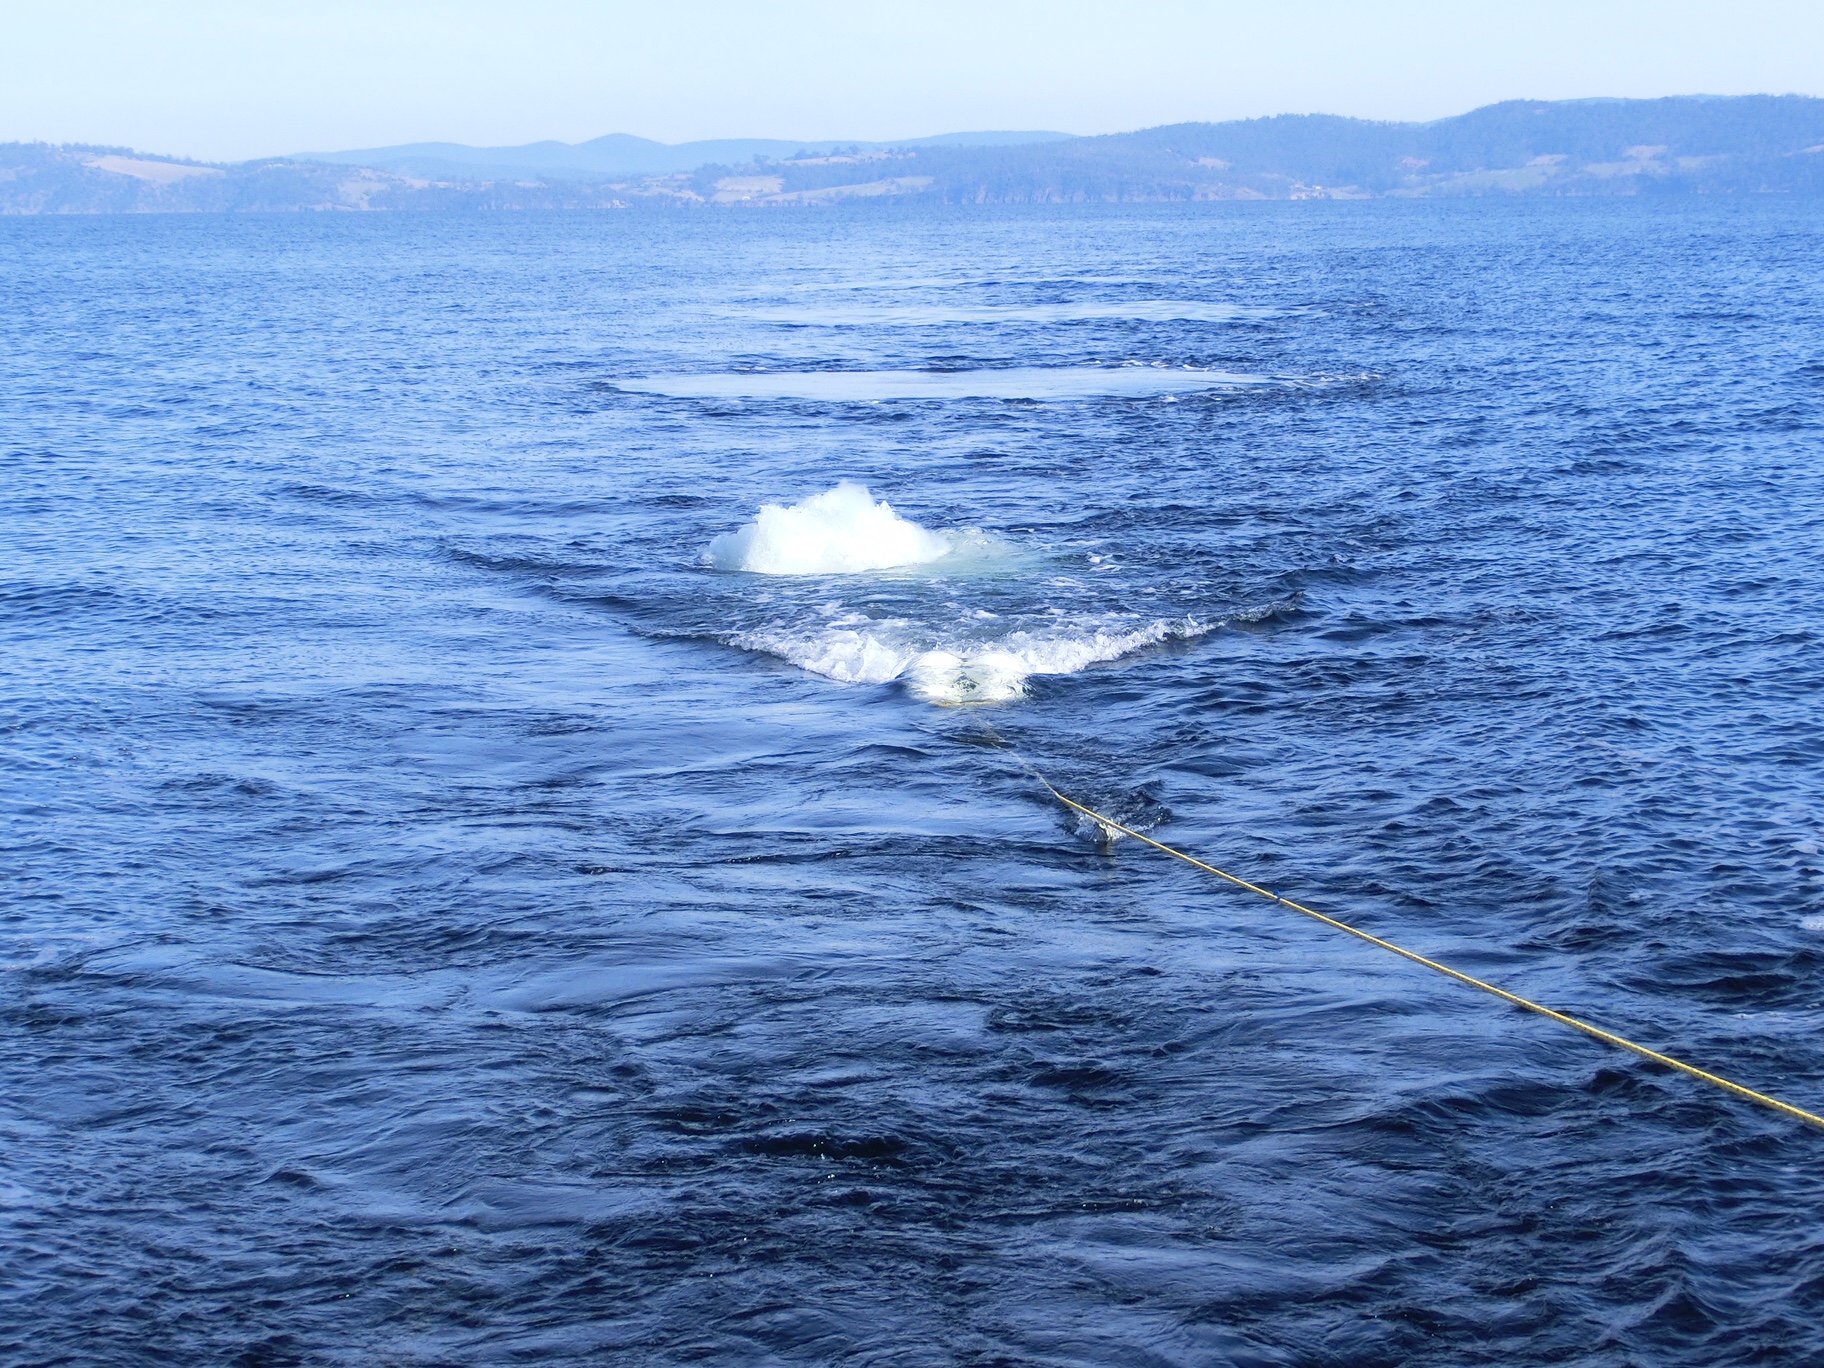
column 959, row 666
column 842, row 531
column 935, row 631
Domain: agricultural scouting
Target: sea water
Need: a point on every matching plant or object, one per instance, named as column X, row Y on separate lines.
column 518, row 846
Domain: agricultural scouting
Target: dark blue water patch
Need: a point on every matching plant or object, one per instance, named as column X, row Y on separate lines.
column 431, row 935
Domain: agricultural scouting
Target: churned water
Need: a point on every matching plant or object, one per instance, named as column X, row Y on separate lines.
column 507, row 858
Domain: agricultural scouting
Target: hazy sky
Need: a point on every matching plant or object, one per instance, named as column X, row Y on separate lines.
column 219, row 80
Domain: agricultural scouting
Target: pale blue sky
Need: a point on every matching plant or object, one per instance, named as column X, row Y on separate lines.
column 217, row 80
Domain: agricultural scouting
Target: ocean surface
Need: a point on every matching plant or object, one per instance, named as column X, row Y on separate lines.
column 518, row 849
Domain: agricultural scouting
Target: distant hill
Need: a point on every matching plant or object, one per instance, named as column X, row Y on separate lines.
column 1742, row 144
column 1751, row 144
column 37, row 178
column 621, row 156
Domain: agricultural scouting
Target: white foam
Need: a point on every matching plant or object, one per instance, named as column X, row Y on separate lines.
column 860, row 650
column 842, row 531
column 1037, row 383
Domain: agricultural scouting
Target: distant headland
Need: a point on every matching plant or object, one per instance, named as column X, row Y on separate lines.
column 1727, row 145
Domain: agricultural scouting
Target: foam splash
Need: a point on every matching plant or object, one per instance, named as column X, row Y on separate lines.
column 842, row 531
column 860, row 650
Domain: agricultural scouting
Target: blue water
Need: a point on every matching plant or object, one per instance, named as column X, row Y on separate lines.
column 448, row 920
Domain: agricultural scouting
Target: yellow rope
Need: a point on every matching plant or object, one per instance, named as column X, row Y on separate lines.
column 1109, row 824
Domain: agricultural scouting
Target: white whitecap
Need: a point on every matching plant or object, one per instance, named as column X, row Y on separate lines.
column 960, row 669
column 842, row 531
